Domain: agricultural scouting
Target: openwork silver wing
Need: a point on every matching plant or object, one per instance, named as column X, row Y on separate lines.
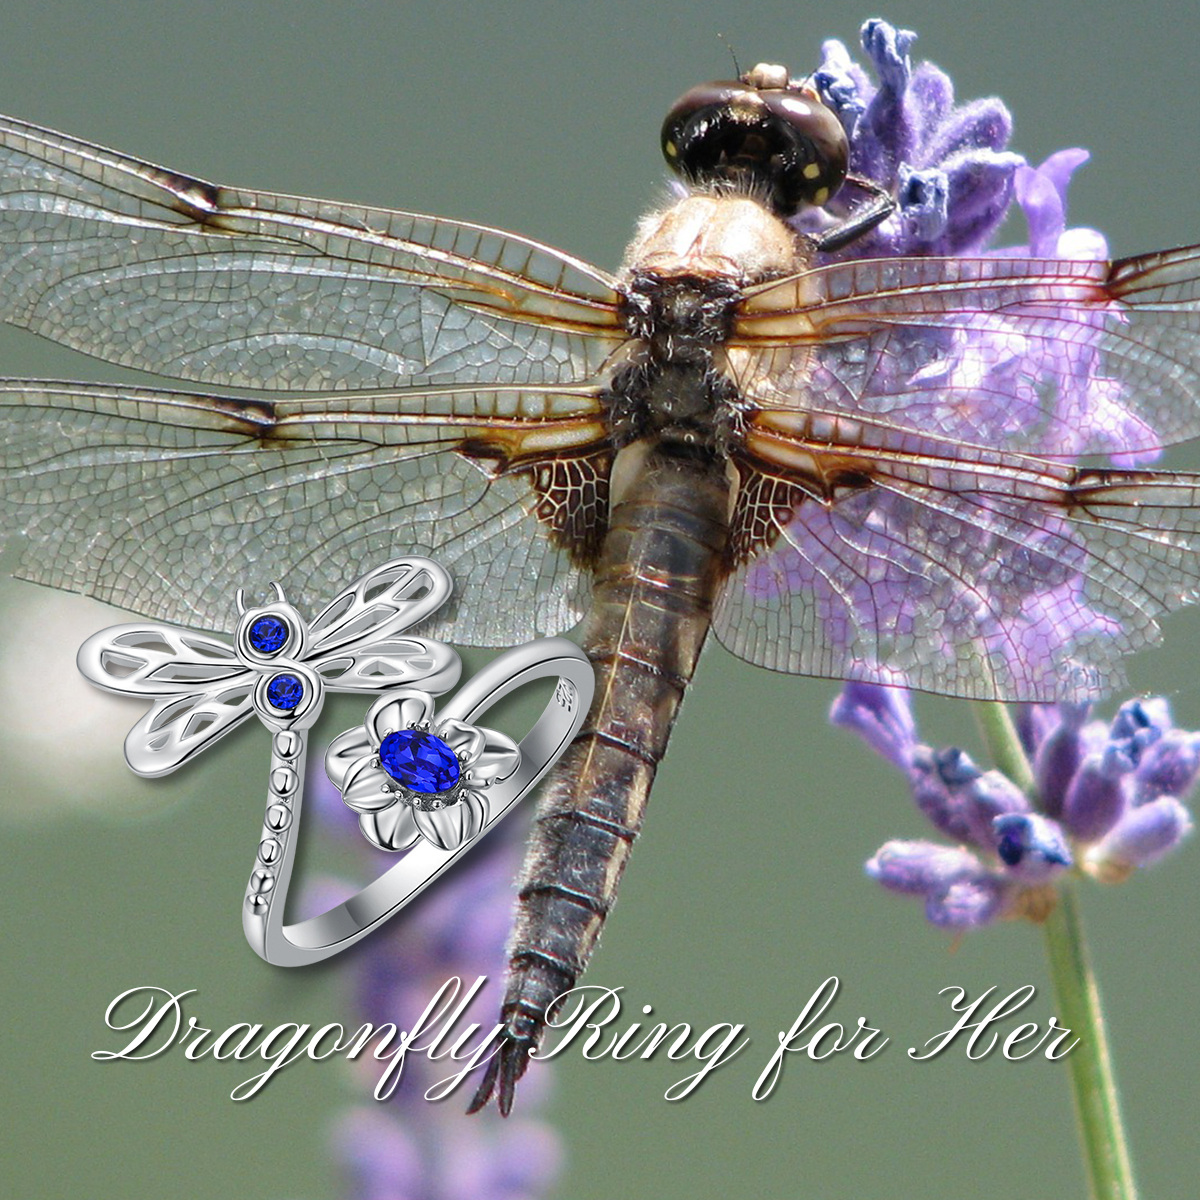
column 201, row 689
column 354, row 646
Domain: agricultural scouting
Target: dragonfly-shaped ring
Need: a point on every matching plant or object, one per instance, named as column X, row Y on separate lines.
column 279, row 667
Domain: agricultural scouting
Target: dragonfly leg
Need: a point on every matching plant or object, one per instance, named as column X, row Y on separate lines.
column 877, row 209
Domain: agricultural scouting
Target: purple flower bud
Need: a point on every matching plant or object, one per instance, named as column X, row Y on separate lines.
column 991, row 797
column 922, row 868
column 931, row 96
column 969, row 903
column 1034, row 723
column 940, row 781
column 888, row 47
column 381, row 1160
column 980, row 187
column 1096, row 796
column 522, row 1160
column 923, row 197
column 1169, row 767
column 1042, row 194
column 960, row 891
column 1137, row 726
column 881, row 716
column 1033, row 847
column 886, row 135
column 978, row 125
column 842, row 84
column 1141, row 837
column 958, row 798
column 1058, row 754
column 955, row 767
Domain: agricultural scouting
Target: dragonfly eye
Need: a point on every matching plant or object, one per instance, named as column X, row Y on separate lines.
column 760, row 135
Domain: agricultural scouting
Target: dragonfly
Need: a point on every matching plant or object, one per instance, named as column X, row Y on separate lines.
column 922, row 471
column 278, row 667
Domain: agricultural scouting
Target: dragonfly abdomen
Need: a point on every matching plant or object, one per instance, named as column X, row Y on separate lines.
column 658, row 570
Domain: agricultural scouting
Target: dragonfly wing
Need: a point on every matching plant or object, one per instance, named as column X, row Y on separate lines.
column 166, row 502
column 1038, row 356
column 955, row 570
column 910, row 506
column 155, row 270
column 200, row 689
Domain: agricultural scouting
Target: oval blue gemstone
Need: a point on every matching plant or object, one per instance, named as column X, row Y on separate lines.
column 419, row 761
column 267, row 634
column 285, row 691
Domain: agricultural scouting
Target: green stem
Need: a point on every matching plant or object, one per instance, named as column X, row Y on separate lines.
column 1004, row 745
column 1105, row 1151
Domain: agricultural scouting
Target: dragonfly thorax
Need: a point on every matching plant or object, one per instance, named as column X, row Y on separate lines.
column 670, row 387
column 684, row 276
column 712, row 236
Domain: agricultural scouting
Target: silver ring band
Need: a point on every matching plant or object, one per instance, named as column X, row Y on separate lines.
column 329, row 933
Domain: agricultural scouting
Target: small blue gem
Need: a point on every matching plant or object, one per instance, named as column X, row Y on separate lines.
column 285, row 692
column 419, row 761
column 267, row 634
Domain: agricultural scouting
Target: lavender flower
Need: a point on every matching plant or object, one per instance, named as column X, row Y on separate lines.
column 973, row 590
column 410, row 1148
column 947, row 164
column 1110, row 801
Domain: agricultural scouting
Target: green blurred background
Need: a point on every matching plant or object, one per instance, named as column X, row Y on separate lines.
column 542, row 118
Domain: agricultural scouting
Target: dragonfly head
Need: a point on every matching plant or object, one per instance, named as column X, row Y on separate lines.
column 762, row 135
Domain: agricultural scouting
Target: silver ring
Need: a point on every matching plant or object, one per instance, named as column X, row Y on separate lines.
column 279, row 668
column 329, row 933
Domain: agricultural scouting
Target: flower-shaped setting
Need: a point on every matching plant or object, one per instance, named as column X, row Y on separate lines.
column 410, row 776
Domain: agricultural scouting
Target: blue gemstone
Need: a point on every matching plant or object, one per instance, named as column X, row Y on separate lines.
column 285, row 692
column 419, row 761
column 267, row 634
